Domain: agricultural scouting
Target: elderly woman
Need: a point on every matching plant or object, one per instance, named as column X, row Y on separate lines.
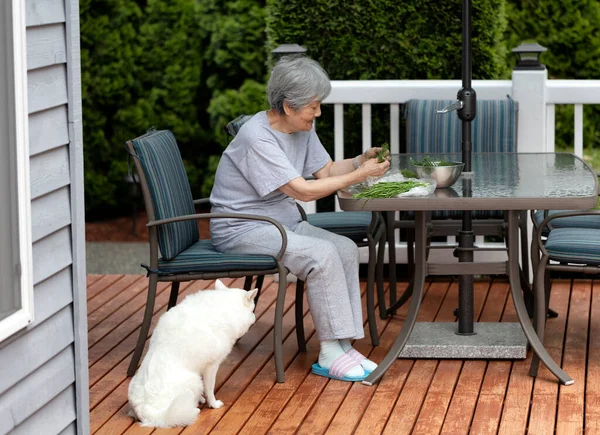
column 263, row 172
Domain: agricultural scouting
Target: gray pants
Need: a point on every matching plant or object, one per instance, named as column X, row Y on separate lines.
column 328, row 263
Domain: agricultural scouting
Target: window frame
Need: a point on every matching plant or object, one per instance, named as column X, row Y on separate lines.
column 19, row 136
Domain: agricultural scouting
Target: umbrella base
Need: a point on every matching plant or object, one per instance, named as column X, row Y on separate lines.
column 439, row 340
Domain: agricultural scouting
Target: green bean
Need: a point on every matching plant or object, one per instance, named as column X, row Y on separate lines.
column 388, row 189
column 381, row 155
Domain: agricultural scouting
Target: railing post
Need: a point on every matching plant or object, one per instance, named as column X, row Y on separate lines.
column 529, row 79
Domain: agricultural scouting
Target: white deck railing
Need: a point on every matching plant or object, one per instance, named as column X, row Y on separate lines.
column 576, row 92
column 536, row 94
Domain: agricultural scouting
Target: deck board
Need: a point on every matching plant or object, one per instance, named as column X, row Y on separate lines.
column 570, row 414
column 414, row 396
column 592, row 392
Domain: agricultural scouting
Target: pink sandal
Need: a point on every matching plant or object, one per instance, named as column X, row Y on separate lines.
column 339, row 368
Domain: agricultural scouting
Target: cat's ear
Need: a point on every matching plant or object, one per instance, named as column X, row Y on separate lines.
column 250, row 295
column 219, row 285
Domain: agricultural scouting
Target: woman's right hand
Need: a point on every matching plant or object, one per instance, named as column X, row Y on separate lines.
column 371, row 168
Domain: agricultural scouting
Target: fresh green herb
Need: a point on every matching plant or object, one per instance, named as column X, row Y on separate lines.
column 426, row 161
column 388, row 189
column 381, row 155
column 407, row 173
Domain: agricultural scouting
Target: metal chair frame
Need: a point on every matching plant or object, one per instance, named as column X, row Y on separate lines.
column 542, row 274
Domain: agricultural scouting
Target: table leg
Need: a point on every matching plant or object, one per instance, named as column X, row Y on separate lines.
column 517, row 296
column 405, row 296
column 390, row 217
column 415, row 303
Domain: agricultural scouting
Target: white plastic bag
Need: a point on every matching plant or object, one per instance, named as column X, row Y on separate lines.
column 396, row 176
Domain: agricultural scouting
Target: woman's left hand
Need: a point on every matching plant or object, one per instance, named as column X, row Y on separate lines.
column 373, row 153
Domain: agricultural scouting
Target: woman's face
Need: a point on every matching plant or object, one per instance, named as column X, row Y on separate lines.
column 302, row 119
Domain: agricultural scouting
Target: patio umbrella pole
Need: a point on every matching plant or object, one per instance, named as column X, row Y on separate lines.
column 466, row 238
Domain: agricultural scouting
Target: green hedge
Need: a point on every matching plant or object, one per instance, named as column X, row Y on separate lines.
column 160, row 63
column 387, row 39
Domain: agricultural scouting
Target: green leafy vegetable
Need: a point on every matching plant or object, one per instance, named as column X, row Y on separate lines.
column 381, row 155
column 407, row 173
column 388, row 189
column 426, row 161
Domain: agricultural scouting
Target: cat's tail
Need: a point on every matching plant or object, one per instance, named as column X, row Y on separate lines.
column 183, row 411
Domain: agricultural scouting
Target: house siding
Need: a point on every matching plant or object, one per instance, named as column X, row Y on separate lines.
column 44, row 381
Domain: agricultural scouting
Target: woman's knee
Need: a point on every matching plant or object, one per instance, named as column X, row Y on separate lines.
column 347, row 248
column 324, row 256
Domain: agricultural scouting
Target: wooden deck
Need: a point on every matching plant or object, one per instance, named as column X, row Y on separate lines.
column 420, row 397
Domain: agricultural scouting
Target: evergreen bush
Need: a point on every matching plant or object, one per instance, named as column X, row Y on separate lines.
column 569, row 30
column 160, row 63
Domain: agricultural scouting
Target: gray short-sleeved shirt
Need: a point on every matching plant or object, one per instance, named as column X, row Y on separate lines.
column 257, row 162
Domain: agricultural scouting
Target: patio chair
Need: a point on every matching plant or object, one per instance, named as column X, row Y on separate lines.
column 364, row 228
column 173, row 228
column 574, row 221
column 427, row 132
column 570, row 249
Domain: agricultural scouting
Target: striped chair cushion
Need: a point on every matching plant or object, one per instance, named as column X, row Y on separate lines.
column 493, row 130
column 169, row 189
column 352, row 224
column 203, row 257
column 574, row 245
column 589, row 221
column 455, row 214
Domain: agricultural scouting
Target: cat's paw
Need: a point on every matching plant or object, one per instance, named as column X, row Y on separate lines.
column 215, row 404
column 201, row 399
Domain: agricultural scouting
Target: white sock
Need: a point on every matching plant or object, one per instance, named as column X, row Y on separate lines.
column 366, row 363
column 330, row 351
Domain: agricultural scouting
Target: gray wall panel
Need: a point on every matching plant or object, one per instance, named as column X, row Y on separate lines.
column 46, row 46
column 40, row 387
column 50, row 213
column 48, row 130
column 51, row 254
column 48, row 339
column 53, row 418
column 49, row 171
column 69, row 430
column 52, row 295
column 44, row 12
column 46, row 88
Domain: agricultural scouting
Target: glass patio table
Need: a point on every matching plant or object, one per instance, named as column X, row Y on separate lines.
column 512, row 182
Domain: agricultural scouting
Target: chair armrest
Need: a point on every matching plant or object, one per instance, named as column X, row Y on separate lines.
column 202, row 201
column 302, row 212
column 203, row 216
column 533, row 218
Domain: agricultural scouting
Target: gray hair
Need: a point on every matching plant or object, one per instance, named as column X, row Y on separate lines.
column 297, row 81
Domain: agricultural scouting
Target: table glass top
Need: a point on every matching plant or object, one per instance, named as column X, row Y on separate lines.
column 498, row 181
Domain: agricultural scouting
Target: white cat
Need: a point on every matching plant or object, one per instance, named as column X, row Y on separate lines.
column 188, row 344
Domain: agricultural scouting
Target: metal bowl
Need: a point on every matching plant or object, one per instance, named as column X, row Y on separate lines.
column 445, row 176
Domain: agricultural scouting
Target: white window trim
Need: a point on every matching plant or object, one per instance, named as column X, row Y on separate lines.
column 24, row 316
